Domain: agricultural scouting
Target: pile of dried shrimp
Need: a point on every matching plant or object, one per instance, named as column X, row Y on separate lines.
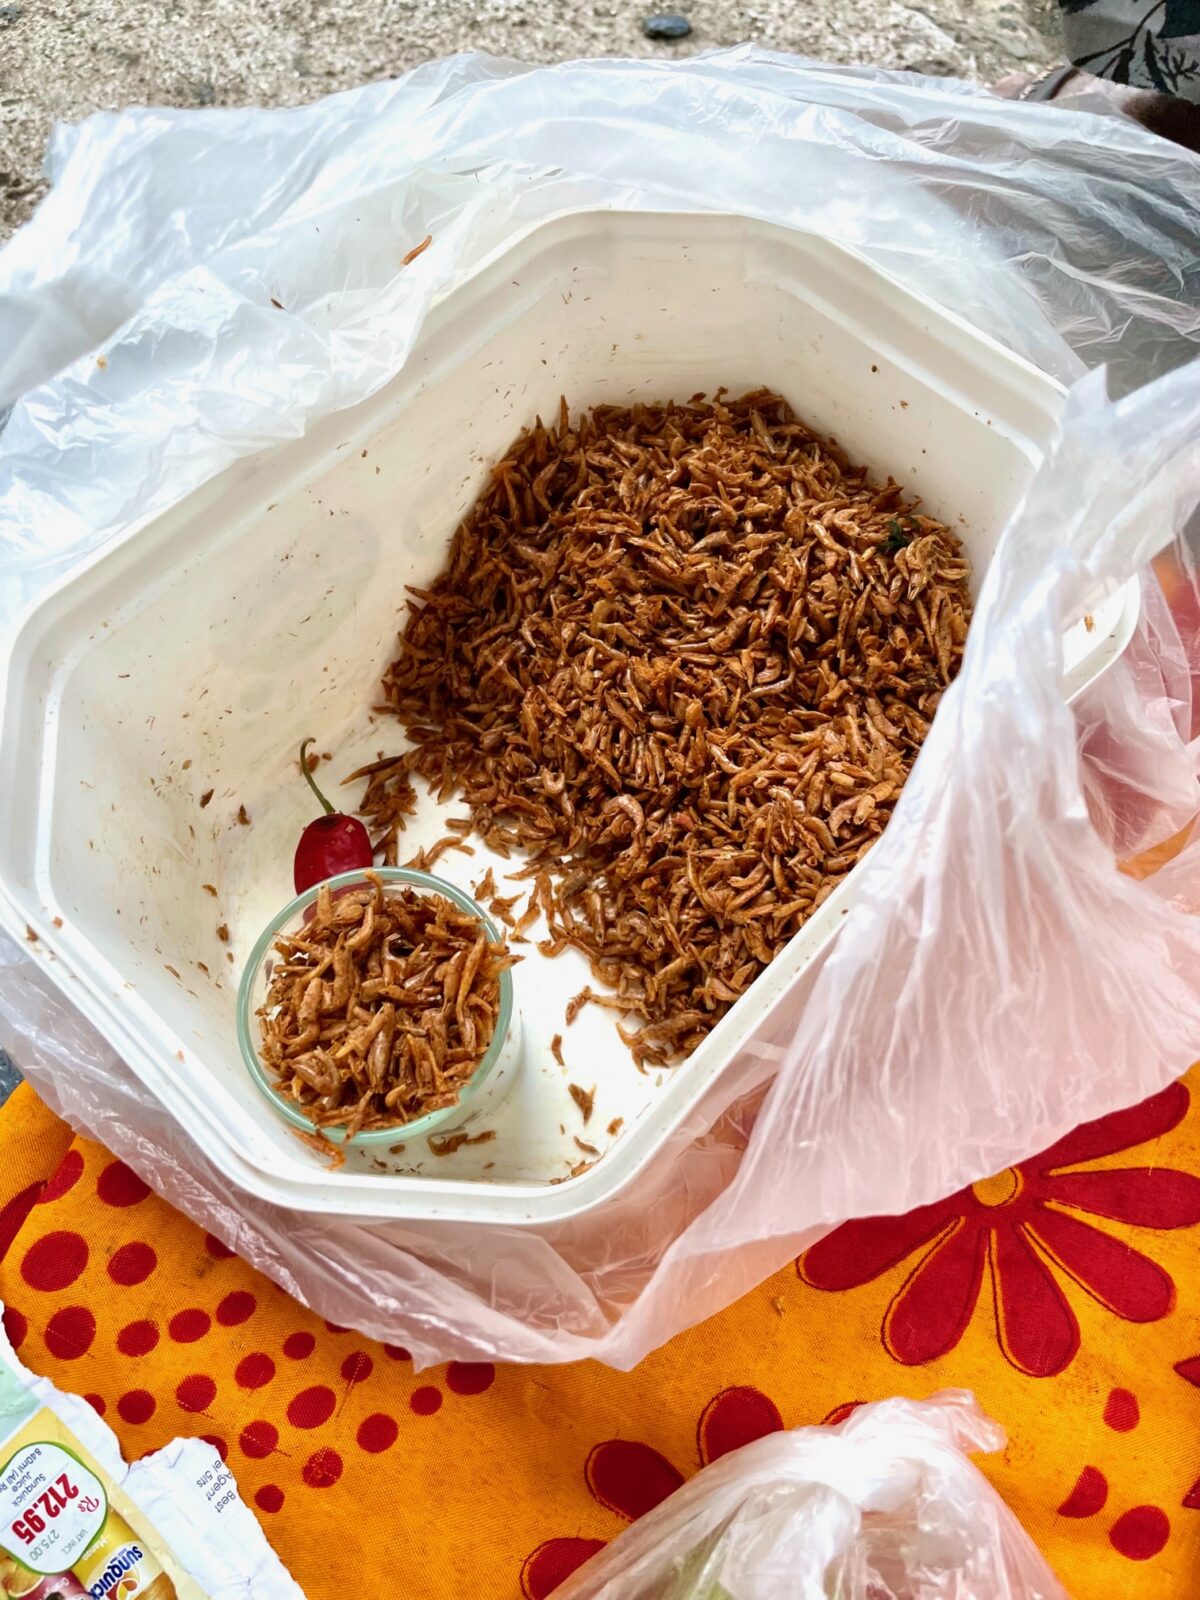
column 684, row 656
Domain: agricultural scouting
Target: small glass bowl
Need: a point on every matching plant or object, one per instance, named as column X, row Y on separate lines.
column 499, row 1062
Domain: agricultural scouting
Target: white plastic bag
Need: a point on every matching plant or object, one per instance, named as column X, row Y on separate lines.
column 1000, row 980
column 885, row 1506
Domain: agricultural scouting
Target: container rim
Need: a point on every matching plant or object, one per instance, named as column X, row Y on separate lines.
column 372, row 1138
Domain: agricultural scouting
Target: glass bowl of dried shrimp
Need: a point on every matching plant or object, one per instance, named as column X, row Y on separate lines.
column 377, row 1007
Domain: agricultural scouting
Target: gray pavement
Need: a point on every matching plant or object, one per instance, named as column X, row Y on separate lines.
column 61, row 59
column 9, row 1076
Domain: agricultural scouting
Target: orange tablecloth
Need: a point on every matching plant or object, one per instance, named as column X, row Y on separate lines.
column 1065, row 1293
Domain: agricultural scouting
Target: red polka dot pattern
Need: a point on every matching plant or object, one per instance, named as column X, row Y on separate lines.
column 215, row 1248
column 255, row 1370
column 397, row 1352
column 54, row 1261
column 470, row 1377
column 299, row 1345
column 137, row 1338
column 259, row 1439
column 70, row 1332
column 1141, row 1532
column 312, row 1407
column 336, row 1327
column 218, row 1445
column 1121, row 1411
column 269, row 1498
column 322, row 1469
column 185, row 1327
column 119, row 1185
column 132, row 1263
column 15, row 1326
column 1088, row 1496
column 196, row 1393
column 97, row 1402
column 377, row 1433
column 70, row 1170
column 137, row 1406
column 425, row 1400
column 357, row 1368
column 16, row 1213
column 236, row 1308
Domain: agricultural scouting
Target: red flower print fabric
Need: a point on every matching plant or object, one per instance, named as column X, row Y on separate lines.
column 506, row 1479
column 1022, row 1232
column 630, row 1479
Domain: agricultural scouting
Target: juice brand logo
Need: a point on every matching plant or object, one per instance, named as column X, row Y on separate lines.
column 124, row 1561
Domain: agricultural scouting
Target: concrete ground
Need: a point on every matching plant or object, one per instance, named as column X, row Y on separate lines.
column 61, row 59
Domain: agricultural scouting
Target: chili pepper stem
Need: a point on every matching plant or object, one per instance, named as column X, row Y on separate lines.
column 308, row 777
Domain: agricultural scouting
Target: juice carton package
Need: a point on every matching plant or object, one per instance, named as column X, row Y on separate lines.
column 76, row 1521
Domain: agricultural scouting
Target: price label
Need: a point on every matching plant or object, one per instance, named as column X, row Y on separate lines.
column 51, row 1508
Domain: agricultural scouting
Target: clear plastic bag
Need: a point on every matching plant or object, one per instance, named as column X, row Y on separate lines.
column 885, row 1506
column 1001, row 980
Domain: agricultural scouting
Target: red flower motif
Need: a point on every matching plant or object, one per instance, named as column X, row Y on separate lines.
column 1018, row 1226
column 631, row 1479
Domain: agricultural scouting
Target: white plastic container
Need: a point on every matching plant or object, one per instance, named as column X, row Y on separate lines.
column 196, row 654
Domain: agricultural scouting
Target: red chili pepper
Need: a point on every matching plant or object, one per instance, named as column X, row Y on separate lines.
column 333, row 843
